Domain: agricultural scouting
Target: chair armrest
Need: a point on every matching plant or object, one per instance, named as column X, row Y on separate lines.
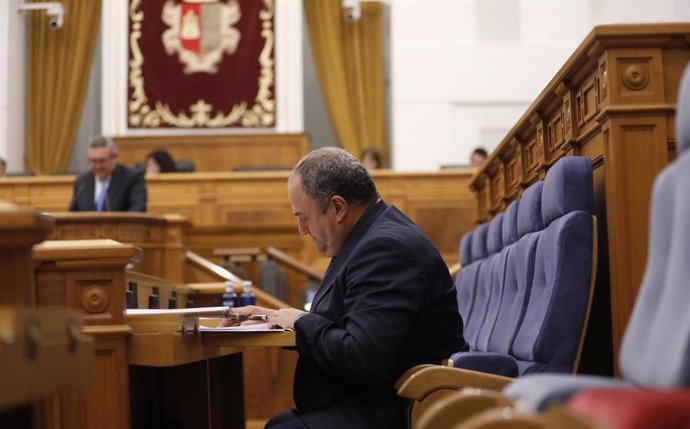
column 459, row 406
column 424, row 381
column 489, row 362
column 407, row 374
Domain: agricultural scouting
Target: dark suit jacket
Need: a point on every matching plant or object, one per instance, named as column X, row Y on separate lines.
column 386, row 303
column 126, row 192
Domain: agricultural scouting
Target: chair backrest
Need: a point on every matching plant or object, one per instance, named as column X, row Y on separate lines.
column 508, row 238
column 519, row 270
column 549, row 336
column 485, row 278
column 656, row 345
column 468, row 276
column 185, row 166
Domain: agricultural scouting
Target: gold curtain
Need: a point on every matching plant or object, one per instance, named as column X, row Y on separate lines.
column 58, row 74
column 349, row 62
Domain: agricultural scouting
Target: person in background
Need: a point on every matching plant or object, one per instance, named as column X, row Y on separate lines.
column 3, row 167
column 478, row 157
column 371, row 158
column 386, row 302
column 109, row 186
column 159, row 161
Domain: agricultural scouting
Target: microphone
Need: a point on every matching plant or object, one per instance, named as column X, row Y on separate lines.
column 73, row 205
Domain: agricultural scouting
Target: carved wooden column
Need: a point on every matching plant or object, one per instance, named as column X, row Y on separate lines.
column 89, row 275
column 20, row 229
column 635, row 151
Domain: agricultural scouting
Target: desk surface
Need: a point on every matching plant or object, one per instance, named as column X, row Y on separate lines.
column 158, row 341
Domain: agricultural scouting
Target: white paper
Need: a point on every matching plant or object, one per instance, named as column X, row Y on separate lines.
column 180, row 311
column 259, row 327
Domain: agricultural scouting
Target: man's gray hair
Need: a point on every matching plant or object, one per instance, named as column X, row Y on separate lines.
column 102, row 141
column 332, row 171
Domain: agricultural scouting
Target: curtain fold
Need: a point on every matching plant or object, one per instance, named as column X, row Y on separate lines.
column 349, row 62
column 59, row 62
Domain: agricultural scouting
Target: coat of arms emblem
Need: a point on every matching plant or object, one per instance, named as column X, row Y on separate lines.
column 201, row 31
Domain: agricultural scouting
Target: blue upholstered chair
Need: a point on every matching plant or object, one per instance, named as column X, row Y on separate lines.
column 508, row 238
column 483, row 358
column 655, row 351
column 466, row 280
column 535, row 304
column 489, row 285
column 540, row 290
column 480, row 251
column 551, row 332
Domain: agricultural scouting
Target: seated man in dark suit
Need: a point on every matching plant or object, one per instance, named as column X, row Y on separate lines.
column 109, row 186
column 386, row 302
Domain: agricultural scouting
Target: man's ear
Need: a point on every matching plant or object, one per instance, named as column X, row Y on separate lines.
column 340, row 206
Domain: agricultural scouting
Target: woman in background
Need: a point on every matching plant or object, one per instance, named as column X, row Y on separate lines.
column 371, row 158
column 159, row 161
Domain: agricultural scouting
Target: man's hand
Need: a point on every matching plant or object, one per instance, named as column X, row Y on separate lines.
column 244, row 312
column 285, row 318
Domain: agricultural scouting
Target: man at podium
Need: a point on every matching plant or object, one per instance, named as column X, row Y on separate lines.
column 109, row 186
column 386, row 302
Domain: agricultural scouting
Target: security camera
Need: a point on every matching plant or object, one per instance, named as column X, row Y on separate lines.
column 352, row 10
column 54, row 10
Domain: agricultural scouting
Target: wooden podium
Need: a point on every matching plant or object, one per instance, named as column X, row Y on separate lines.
column 147, row 372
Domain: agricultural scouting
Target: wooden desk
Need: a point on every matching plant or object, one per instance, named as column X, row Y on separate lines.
column 614, row 102
column 161, row 237
column 142, row 375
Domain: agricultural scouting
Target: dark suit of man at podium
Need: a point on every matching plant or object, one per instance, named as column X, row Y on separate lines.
column 386, row 302
column 109, row 186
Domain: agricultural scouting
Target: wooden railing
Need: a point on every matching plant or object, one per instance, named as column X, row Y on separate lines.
column 293, row 263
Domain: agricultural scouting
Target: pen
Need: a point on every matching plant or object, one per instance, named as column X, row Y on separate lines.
column 229, row 314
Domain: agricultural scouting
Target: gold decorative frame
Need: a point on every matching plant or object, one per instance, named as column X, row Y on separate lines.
column 261, row 114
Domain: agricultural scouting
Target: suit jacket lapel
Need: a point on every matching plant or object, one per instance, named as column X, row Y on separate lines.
column 338, row 262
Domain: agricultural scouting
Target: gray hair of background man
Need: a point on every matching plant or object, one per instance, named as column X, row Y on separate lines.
column 332, row 171
column 3, row 163
column 101, row 141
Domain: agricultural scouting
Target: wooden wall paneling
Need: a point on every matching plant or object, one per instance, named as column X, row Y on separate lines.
column 530, row 157
column 635, row 77
column 481, row 187
column 513, row 170
column 247, row 210
column 496, row 187
column 635, row 150
column 222, row 152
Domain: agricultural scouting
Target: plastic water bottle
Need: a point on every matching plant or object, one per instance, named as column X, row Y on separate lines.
column 229, row 297
column 247, row 297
